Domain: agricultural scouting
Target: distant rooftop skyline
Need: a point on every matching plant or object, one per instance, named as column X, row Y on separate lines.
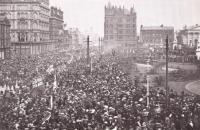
column 156, row 27
column 87, row 14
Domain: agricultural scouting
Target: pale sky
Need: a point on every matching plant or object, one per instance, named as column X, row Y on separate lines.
column 87, row 14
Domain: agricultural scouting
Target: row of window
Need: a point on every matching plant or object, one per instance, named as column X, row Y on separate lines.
column 20, row 7
column 120, row 25
column 194, row 41
column 56, row 26
column 119, row 37
column 5, row 54
column 153, row 40
column 44, row 26
column 24, row 37
column 55, row 22
column 4, row 44
column 44, row 17
column 4, row 29
column 32, row 50
column 27, row 15
column 151, row 35
column 121, row 31
column 24, row 25
column 120, row 19
column 22, row 14
column 194, row 34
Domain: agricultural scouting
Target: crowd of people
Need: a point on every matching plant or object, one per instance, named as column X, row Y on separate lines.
column 84, row 97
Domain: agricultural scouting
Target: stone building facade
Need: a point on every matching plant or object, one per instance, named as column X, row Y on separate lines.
column 198, row 51
column 4, row 37
column 29, row 25
column 120, row 26
column 67, row 41
column 190, row 36
column 155, row 36
column 56, row 25
column 75, row 36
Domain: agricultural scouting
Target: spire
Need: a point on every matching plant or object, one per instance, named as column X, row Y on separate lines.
column 109, row 4
column 132, row 9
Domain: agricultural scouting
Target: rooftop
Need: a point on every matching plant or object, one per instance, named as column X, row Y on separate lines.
column 191, row 27
column 120, row 9
column 157, row 27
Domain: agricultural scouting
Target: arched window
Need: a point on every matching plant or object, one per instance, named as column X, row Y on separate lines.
column 190, row 44
column 22, row 24
column 34, row 25
column 21, row 36
column 8, row 15
column 35, row 37
column 34, row 15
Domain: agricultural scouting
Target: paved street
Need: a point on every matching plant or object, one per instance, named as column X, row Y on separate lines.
column 194, row 87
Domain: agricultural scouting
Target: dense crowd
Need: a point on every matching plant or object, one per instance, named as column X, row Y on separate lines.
column 79, row 97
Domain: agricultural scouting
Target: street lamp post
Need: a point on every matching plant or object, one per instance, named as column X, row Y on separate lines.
column 148, row 85
column 88, row 50
column 99, row 45
column 91, row 62
column 167, row 87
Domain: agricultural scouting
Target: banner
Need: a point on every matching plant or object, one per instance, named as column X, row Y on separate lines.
column 47, row 116
column 51, row 102
column 55, row 83
column 50, row 69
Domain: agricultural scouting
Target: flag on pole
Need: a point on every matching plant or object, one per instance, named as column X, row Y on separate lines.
column 3, row 89
column 50, row 69
column 12, row 89
column 91, row 65
column 55, row 82
column 16, row 85
column 51, row 102
column 47, row 116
